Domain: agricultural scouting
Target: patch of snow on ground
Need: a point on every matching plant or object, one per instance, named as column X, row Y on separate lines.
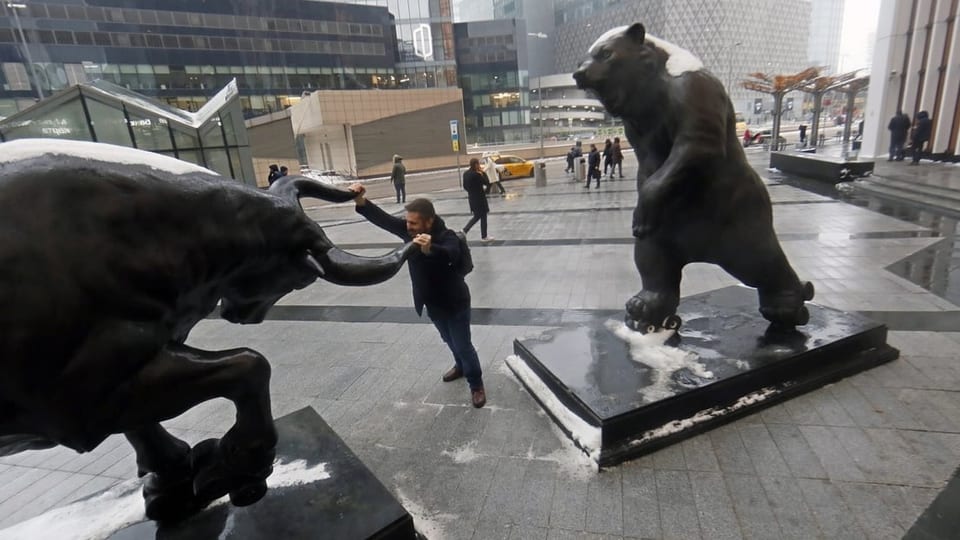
column 463, row 454
column 430, row 524
column 122, row 505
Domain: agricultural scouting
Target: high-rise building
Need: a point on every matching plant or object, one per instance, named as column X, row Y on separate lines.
column 492, row 60
column 182, row 51
column 424, row 33
column 472, row 10
column 732, row 37
column 826, row 25
column 539, row 18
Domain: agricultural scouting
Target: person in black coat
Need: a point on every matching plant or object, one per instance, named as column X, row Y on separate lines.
column 921, row 134
column 899, row 126
column 437, row 283
column 593, row 166
column 475, row 183
column 274, row 174
column 607, row 155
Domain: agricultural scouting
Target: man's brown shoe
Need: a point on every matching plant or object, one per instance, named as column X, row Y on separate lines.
column 479, row 397
column 452, row 374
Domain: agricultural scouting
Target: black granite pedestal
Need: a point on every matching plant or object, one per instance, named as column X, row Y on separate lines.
column 346, row 502
column 820, row 167
column 726, row 363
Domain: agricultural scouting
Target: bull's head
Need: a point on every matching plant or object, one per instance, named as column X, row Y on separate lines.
column 248, row 297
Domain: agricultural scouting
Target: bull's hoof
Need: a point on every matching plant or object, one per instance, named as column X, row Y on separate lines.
column 169, row 502
column 249, row 493
column 213, row 478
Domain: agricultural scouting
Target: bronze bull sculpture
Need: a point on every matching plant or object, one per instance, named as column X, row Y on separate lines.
column 108, row 258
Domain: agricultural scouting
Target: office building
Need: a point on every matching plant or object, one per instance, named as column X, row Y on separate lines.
column 181, row 52
column 731, row 37
column 492, row 62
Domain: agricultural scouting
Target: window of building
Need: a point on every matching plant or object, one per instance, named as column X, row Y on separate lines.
column 15, row 76
column 66, row 121
column 109, row 124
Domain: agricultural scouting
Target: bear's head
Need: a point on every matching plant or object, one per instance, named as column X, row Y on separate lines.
column 628, row 70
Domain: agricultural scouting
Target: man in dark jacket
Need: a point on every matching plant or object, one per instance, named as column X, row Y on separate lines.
column 617, row 162
column 593, row 166
column 437, row 283
column 899, row 126
column 921, row 134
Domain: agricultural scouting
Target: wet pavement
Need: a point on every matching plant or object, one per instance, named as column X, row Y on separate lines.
column 864, row 457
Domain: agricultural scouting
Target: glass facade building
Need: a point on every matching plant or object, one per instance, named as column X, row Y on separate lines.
column 492, row 61
column 215, row 137
column 424, row 41
column 182, row 52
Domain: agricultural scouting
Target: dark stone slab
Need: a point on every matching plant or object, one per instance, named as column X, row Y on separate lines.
column 586, row 379
column 940, row 520
column 820, row 167
column 350, row 503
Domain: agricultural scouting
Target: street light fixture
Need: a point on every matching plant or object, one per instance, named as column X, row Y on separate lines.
column 14, row 6
column 539, row 35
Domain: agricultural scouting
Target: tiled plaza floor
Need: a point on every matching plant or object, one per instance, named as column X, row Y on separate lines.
column 861, row 458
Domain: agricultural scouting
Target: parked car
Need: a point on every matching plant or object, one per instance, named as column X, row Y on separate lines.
column 508, row 166
column 327, row 177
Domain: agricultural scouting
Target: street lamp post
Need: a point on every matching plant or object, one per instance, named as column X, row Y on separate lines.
column 730, row 78
column 23, row 41
column 539, row 35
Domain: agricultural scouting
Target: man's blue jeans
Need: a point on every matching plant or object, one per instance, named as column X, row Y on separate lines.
column 455, row 332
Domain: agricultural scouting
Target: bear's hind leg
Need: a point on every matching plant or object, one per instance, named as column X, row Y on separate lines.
column 782, row 294
column 655, row 306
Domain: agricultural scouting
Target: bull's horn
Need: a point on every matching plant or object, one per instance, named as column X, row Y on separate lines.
column 344, row 268
column 294, row 187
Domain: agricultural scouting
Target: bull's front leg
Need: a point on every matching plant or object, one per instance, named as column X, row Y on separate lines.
column 181, row 377
column 164, row 462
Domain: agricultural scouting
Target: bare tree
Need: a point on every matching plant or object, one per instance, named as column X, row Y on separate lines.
column 778, row 86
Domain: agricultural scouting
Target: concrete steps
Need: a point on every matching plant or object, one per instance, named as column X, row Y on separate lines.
column 938, row 197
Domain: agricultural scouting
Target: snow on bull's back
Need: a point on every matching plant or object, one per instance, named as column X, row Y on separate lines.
column 679, row 60
column 22, row 149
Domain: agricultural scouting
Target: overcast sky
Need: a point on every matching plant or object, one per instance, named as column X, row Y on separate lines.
column 859, row 28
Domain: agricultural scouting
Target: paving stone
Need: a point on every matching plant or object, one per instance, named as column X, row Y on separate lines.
column 756, row 518
column 715, row 509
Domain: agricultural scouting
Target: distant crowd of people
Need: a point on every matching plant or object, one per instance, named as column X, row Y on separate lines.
column 612, row 158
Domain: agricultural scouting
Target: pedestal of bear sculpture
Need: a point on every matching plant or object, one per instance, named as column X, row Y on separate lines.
column 620, row 394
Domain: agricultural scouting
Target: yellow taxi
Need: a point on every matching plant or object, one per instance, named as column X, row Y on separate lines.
column 507, row 166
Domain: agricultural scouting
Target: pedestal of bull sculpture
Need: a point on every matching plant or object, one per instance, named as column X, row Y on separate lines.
column 620, row 394
column 318, row 489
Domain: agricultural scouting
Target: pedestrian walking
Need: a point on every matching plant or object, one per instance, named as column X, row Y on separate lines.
column 593, row 166
column 493, row 176
column 803, row 134
column 607, row 155
column 273, row 174
column 617, row 157
column 474, row 182
column 399, row 178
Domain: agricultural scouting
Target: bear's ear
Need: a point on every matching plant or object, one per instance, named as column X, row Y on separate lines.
column 636, row 32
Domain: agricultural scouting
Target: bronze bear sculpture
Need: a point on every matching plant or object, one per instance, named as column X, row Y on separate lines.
column 108, row 258
column 698, row 200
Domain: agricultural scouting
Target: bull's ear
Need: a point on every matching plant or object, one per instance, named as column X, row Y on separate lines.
column 636, row 32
